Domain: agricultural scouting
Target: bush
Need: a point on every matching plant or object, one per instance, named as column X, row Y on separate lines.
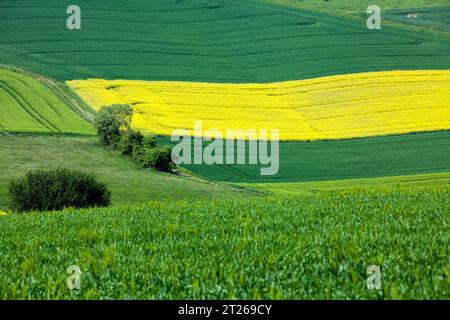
column 111, row 121
column 159, row 158
column 45, row 190
column 149, row 142
column 129, row 141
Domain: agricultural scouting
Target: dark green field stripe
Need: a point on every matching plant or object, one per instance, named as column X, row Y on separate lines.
column 209, row 41
column 345, row 159
column 27, row 106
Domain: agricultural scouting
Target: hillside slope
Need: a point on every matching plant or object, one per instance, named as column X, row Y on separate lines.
column 128, row 182
column 204, row 40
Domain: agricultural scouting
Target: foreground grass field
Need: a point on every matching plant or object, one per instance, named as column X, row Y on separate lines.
column 316, row 247
column 128, row 182
column 28, row 104
column 335, row 107
column 205, row 41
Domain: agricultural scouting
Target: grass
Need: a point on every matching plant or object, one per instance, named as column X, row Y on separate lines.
column 316, row 247
column 344, row 159
column 307, row 188
column 30, row 105
column 205, row 41
column 127, row 181
column 336, row 107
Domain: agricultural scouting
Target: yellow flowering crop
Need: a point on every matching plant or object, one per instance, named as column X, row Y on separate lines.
column 335, row 107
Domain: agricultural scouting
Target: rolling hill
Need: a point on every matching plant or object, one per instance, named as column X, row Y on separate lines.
column 215, row 41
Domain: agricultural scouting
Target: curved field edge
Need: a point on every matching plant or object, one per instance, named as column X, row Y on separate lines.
column 334, row 107
column 128, row 182
column 356, row 5
column 394, row 182
column 431, row 15
column 315, row 247
column 219, row 41
column 34, row 104
column 372, row 157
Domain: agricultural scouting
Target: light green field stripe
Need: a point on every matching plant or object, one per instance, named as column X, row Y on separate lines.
column 29, row 105
column 419, row 180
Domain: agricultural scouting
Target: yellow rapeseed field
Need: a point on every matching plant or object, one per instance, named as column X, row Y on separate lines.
column 335, row 107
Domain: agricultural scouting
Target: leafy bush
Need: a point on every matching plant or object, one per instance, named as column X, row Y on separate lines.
column 111, row 121
column 159, row 158
column 129, row 141
column 149, row 142
column 44, row 190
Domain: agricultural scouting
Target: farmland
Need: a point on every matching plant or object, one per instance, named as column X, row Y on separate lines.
column 364, row 176
column 218, row 41
column 344, row 159
column 335, row 107
column 316, row 247
column 386, row 183
column 129, row 184
column 434, row 18
column 29, row 105
column 356, row 6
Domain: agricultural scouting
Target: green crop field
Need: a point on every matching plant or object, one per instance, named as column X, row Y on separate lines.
column 311, row 231
column 344, row 159
column 211, row 41
column 129, row 184
column 29, row 105
column 357, row 6
column 435, row 18
column 275, row 248
column 393, row 182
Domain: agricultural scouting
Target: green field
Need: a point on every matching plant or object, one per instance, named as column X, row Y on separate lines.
column 311, row 187
column 357, row 6
column 127, row 181
column 345, row 159
column 222, row 231
column 30, row 105
column 275, row 248
column 212, row 41
column 434, row 18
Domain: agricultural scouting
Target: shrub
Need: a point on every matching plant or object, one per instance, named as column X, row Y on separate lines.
column 45, row 190
column 111, row 121
column 129, row 141
column 159, row 158
column 149, row 142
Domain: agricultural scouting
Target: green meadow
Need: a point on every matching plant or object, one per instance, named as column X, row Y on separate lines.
column 128, row 182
